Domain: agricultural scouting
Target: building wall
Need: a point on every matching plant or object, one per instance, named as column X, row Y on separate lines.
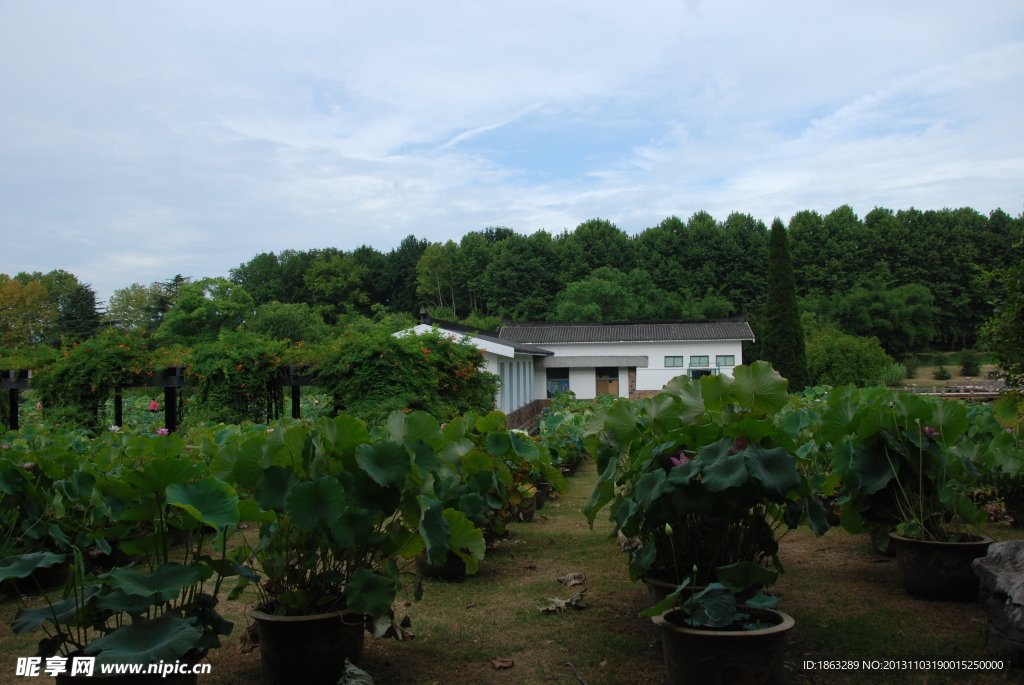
column 518, row 379
column 653, row 377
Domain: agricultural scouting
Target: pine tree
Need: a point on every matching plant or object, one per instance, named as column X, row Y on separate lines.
column 782, row 336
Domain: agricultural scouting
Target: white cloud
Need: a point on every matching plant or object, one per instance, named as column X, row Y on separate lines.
column 142, row 140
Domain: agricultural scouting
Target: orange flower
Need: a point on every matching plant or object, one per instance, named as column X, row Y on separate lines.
column 238, row 368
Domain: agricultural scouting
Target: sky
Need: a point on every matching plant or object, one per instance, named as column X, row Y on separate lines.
column 143, row 140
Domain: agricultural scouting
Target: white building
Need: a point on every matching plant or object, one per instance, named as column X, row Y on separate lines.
column 630, row 359
column 625, row 358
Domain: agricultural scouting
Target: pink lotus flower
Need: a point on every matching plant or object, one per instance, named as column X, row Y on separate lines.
column 115, row 429
column 1009, row 430
column 39, row 405
column 5, row 447
column 162, row 431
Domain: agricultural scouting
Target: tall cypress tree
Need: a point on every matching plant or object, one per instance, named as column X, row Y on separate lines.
column 782, row 335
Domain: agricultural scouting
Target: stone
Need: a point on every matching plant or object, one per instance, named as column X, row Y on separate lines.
column 1001, row 593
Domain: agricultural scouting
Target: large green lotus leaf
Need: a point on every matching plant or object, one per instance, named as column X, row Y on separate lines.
column 342, row 435
column 816, row 515
column 662, row 413
column 424, row 456
column 249, row 510
column 76, row 485
column 621, row 420
column 690, row 395
column 22, row 566
column 417, row 425
column 369, row 593
column 759, row 387
column 434, row 530
column 950, row 420
column 842, row 456
column 209, row 501
column 465, row 539
column 720, row 468
column 872, row 469
column 163, row 584
column 1008, row 411
column 682, row 474
column 166, row 638
column 272, row 492
column 524, row 447
column 247, row 463
column 475, row 461
column 775, row 469
column 499, row 444
column 602, row 495
column 963, row 507
column 494, row 421
column 714, row 607
column 742, row 575
column 386, row 462
column 455, row 429
column 911, row 408
column 168, row 445
column 27, row 620
column 316, row 504
column 354, row 527
column 454, row 450
column 554, row 476
column 159, row 474
column 297, row 441
column 751, row 428
column 119, row 600
column 716, row 390
column 648, row 487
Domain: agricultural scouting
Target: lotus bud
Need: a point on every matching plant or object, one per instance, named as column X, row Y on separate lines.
column 668, row 529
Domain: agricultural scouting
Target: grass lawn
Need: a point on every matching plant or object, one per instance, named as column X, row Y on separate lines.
column 846, row 599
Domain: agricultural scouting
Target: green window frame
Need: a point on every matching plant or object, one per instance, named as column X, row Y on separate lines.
column 675, row 361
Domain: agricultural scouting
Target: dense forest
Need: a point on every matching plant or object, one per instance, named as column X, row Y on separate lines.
column 913, row 279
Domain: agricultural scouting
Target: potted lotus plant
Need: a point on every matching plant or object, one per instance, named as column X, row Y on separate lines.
column 907, row 467
column 343, row 512
column 160, row 608
column 727, row 632
column 702, row 478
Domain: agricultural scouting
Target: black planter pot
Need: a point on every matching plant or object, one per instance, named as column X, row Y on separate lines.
column 453, row 568
column 724, row 657
column 939, row 570
column 309, row 650
column 543, row 488
column 191, row 658
column 569, row 470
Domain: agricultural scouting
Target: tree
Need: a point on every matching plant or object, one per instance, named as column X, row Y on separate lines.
column 835, row 358
column 1004, row 332
column 902, row 318
column 782, row 341
column 335, row 282
column 607, row 294
column 203, row 309
column 289, row 321
column 436, row 274
column 26, row 313
column 78, row 314
column 135, row 307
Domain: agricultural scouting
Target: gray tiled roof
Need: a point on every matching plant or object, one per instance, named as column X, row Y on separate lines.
column 490, row 336
column 542, row 333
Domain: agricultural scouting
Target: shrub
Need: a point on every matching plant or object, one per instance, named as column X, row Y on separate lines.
column 970, row 363
column 373, row 373
column 231, row 377
column 893, row 375
column 911, row 364
column 835, row 358
column 942, row 374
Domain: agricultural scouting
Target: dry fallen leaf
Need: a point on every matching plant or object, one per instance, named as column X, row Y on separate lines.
column 250, row 639
column 558, row 606
column 500, row 664
column 551, row 540
column 531, row 567
column 570, row 579
column 603, row 663
column 471, row 605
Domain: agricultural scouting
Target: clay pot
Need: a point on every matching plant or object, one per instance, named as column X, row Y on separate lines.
column 309, row 650
column 939, row 570
column 747, row 657
column 569, row 470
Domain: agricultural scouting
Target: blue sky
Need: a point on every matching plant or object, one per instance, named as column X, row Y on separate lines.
column 141, row 140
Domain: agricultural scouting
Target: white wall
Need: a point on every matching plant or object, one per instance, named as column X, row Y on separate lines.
column 517, row 380
column 583, row 382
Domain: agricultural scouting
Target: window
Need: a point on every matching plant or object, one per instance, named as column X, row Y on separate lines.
column 725, row 360
column 699, row 361
column 607, row 380
column 675, row 361
column 558, row 381
column 698, row 373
